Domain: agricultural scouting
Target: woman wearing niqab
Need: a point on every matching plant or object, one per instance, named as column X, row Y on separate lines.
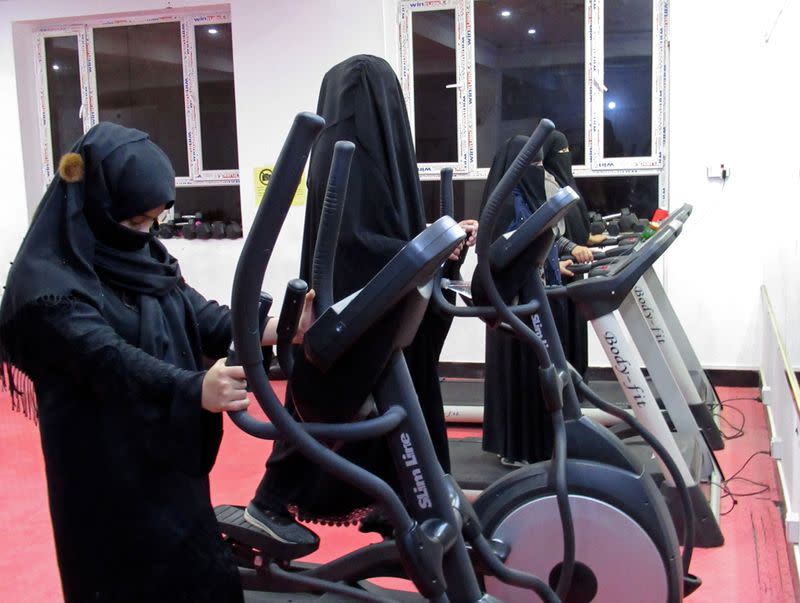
column 96, row 313
column 516, row 425
column 557, row 160
column 361, row 101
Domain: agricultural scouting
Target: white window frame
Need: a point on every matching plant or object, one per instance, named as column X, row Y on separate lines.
column 464, row 105
column 198, row 176
column 596, row 165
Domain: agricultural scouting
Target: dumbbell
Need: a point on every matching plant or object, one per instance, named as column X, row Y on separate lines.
column 627, row 220
column 217, row 229
column 189, row 231
column 203, row 231
column 597, row 224
column 233, row 231
column 166, row 230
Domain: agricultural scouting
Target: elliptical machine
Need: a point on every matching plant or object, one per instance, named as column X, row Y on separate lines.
column 439, row 542
column 611, row 499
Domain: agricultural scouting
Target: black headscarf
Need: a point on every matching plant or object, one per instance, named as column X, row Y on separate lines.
column 75, row 241
column 531, row 184
column 558, row 162
column 362, row 101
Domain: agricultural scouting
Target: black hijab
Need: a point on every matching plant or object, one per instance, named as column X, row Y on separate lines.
column 75, row 241
column 531, row 184
column 558, row 162
column 362, row 101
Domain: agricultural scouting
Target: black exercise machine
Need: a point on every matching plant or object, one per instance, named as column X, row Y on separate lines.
column 440, row 542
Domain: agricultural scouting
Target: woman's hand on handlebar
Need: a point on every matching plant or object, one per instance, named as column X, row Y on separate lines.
column 307, row 317
column 471, row 228
column 224, row 388
column 596, row 239
column 582, row 254
column 562, row 267
column 270, row 335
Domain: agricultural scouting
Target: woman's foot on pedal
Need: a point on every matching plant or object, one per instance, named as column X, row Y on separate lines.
column 376, row 521
column 280, row 525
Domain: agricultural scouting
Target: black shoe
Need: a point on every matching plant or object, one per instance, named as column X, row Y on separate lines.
column 376, row 521
column 280, row 526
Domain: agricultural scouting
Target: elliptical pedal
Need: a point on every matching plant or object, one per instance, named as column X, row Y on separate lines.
column 233, row 524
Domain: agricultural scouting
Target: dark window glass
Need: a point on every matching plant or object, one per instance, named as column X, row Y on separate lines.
column 216, row 97
column 608, row 194
column 140, row 84
column 214, row 202
column 529, row 64
column 628, row 111
column 467, row 195
column 435, row 119
column 63, row 93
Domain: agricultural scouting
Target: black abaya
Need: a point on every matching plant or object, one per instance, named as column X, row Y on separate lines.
column 516, row 425
column 361, row 101
column 558, row 161
column 100, row 319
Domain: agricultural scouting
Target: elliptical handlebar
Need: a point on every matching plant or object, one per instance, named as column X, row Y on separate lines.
column 490, row 213
column 446, row 203
column 250, row 273
column 330, row 222
column 263, row 234
column 257, row 250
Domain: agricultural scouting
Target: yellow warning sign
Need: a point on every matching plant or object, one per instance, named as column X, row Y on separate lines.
column 261, row 177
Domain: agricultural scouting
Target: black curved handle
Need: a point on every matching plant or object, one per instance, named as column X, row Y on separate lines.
column 330, row 221
column 291, row 311
column 507, row 183
column 260, row 241
column 483, row 272
column 446, row 204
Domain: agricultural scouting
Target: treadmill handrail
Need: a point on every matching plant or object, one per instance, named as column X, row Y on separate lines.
column 604, row 291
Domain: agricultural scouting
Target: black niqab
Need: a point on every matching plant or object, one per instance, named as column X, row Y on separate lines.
column 558, row 161
column 362, row 101
column 100, row 319
column 531, row 183
column 75, row 240
column 516, row 425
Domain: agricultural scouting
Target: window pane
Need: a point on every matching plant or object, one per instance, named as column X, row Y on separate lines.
column 217, row 101
column 608, row 194
column 214, row 202
column 140, row 84
column 63, row 93
column 467, row 195
column 628, row 111
column 435, row 119
column 529, row 64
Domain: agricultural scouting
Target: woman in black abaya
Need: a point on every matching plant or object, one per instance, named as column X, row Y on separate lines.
column 96, row 313
column 361, row 101
column 557, row 160
column 516, row 425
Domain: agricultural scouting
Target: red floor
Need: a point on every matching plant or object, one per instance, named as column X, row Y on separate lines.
column 752, row 566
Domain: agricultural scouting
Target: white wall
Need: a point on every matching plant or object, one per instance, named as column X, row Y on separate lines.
column 731, row 101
